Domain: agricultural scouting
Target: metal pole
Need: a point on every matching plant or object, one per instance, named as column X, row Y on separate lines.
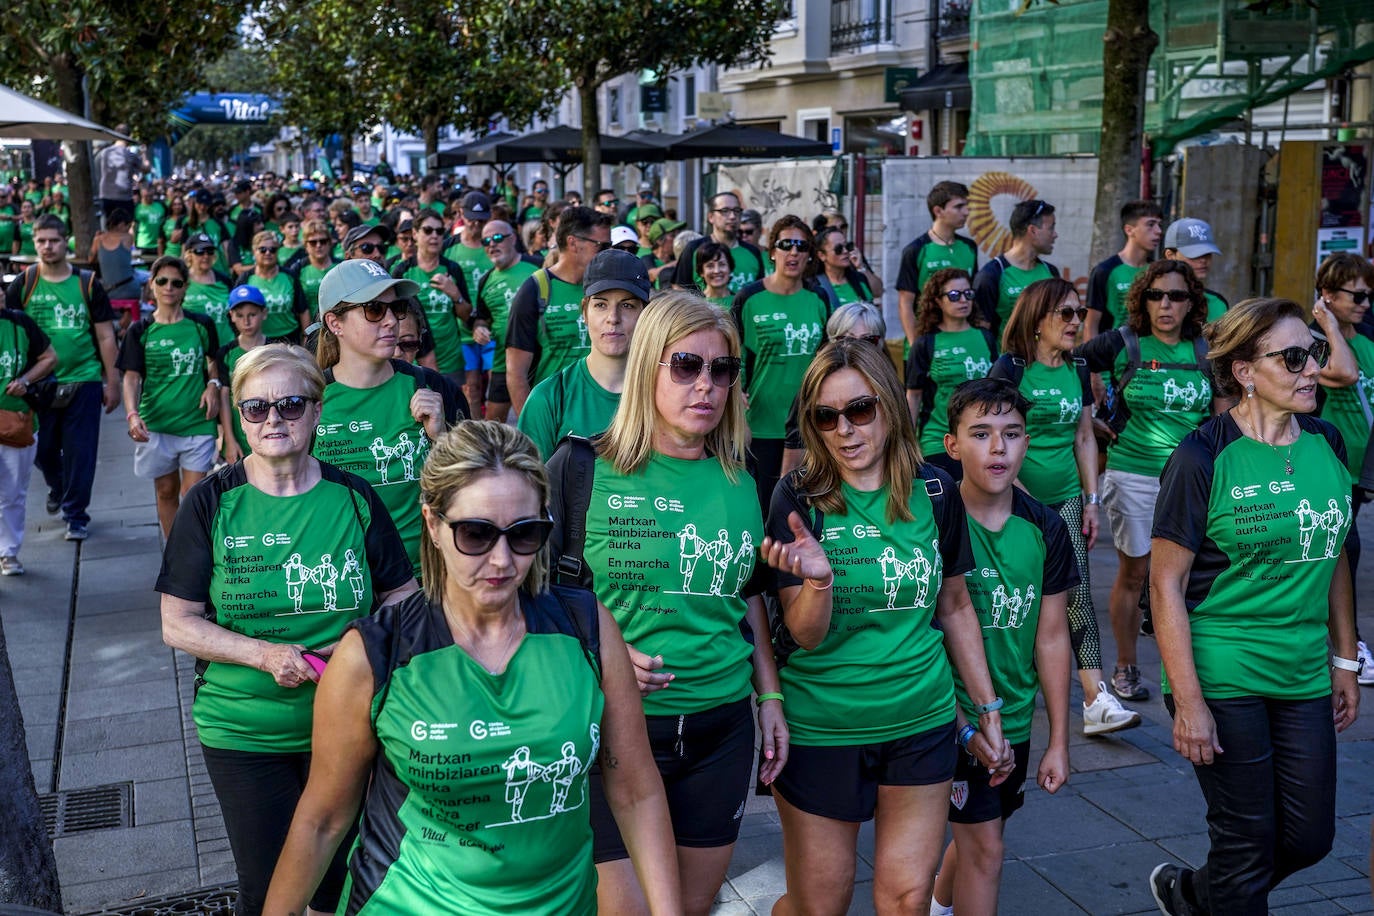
column 860, row 197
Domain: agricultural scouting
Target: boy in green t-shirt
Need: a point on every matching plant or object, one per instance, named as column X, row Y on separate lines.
column 1024, row 568
column 1111, row 280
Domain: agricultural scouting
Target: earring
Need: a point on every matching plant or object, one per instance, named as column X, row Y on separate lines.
column 1249, row 391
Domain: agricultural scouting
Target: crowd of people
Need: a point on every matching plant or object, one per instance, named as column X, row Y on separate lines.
column 588, row 525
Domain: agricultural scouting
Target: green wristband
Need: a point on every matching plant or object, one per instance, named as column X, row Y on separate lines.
column 763, row 697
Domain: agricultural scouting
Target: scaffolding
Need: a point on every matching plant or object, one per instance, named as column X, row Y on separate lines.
column 1037, row 76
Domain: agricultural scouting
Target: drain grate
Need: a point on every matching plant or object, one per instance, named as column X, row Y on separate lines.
column 208, row 901
column 93, row 808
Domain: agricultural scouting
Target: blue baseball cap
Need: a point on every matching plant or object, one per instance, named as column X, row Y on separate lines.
column 246, row 295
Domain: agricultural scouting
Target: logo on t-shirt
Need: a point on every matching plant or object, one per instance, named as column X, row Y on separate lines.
column 1185, row 397
column 184, row 361
column 919, row 569
column 1069, row 410
column 1009, row 611
column 722, row 558
column 324, row 580
column 7, row 365
column 408, row 452
column 800, row 339
column 976, row 368
column 1328, row 522
column 553, row 779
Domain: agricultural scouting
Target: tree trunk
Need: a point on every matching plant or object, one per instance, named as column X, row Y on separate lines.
column 1126, row 49
column 28, row 871
column 430, row 130
column 80, row 187
column 591, row 138
column 346, row 159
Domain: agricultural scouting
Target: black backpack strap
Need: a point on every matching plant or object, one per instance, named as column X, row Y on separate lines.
column 578, row 472
column 1132, row 342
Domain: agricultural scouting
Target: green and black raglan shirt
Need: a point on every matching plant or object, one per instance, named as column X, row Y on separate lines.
column 674, row 549
column 171, row 359
column 881, row 673
column 779, row 335
column 557, row 336
column 478, row 800
column 1349, row 409
column 938, row 363
column 61, row 311
column 439, row 309
column 1265, row 545
column 494, row 294
column 1107, row 287
column 1164, row 404
column 1014, row 569
column 998, row 285
column 212, row 300
column 1216, row 305
column 285, row 301
column 1058, row 398
column 570, row 402
column 22, row 342
column 475, row 264
column 925, row 256
column 286, row 569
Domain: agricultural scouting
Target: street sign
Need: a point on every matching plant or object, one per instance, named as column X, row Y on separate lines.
column 836, row 140
column 711, row 105
column 653, row 98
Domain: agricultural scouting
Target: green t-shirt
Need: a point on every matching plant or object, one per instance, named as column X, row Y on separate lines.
column 169, row 225
column 1216, row 306
column 570, row 402
column 1165, row 404
column 881, row 672
column 212, row 301
column 1012, row 282
column 748, row 266
column 287, row 569
column 558, row 337
column 1057, row 396
column 59, row 310
column 370, row 432
column 1107, row 287
column 780, row 335
column 674, row 547
column 475, row 263
column 1015, row 568
column 228, row 357
column 286, row 252
column 311, row 277
column 480, row 802
column 171, row 359
column 25, row 232
column 924, row 256
column 147, row 221
column 282, row 304
column 1266, row 544
column 438, row 307
column 494, row 301
column 7, row 229
column 1344, row 409
column 955, row 357
column 21, row 343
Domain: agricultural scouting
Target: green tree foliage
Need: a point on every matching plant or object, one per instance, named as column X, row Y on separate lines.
column 241, row 69
column 587, row 42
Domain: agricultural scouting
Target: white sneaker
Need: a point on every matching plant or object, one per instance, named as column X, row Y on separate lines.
column 939, row 909
column 1106, row 714
column 1366, row 672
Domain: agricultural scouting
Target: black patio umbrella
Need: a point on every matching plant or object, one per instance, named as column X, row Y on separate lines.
column 743, row 142
column 562, row 145
column 456, row 156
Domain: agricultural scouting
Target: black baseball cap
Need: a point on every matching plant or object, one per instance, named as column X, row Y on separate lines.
column 199, row 242
column 616, row 269
column 358, row 233
column 476, row 206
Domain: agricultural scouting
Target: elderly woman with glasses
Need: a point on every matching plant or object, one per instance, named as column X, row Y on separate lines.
column 380, row 414
column 1253, row 610
column 491, row 816
column 669, row 530
column 268, row 561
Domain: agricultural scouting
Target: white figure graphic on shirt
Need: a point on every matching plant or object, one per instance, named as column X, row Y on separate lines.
column 66, row 317
column 183, row 361
column 920, row 569
column 894, row 570
column 382, row 455
column 1069, row 410
column 1009, row 611
column 719, row 553
column 690, row 549
column 6, row 365
column 561, row 773
column 976, row 368
column 1332, row 520
column 523, row 773
column 1173, row 392
column 327, row 578
column 297, row 574
column 1308, row 521
column 582, row 342
column 745, row 559
column 406, row 451
column 353, row 572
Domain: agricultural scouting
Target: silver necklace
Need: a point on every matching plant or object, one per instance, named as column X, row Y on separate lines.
column 471, row 648
column 1287, row 456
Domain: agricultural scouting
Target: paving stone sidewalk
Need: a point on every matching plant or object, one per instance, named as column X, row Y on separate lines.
column 106, row 703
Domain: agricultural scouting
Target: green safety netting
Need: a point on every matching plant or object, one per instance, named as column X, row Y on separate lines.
column 1037, row 75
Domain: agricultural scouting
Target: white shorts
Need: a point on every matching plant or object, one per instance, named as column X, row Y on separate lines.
column 1130, row 503
column 163, row 453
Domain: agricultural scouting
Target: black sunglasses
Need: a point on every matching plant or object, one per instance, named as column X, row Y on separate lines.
column 292, row 407
column 954, row 295
column 317, row 241
column 792, row 245
column 844, row 248
column 1358, row 295
column 409, row 344
column 875, row 339
column 1295, row 358
column 685, row 369
column 749, row 230
column 376, row 310
column 202, row 251
column 1067, row 314
column 475, row 536
column 177, row 282
column 495, row 239
column 1174, row 295
column 600, row 246
column 369, row 247
column 859, row 412
column 267, row 249
column 432, row 230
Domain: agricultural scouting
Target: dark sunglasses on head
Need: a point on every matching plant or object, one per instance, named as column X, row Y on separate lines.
column 875, row 339
column 792, row 245
column 476, row 536
column 177, row 282
column 1358, row 295
column 1295, row 358
column 1174, row 295
column 375, row 310
column 954, row 295
column 859, row 412
column 256, row 410
column 369, row 247
column 409, row 344
column 1067, row 314
column 600, row 246
column 495, row 239
column 432, row 230
column 685, row 369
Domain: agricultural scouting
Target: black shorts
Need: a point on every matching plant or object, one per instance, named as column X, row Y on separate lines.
column 973, row 801
column 496, row 388
column 706, row 760
column 842, row 782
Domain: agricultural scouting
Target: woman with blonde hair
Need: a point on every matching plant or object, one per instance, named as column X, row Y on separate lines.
column 670, row 524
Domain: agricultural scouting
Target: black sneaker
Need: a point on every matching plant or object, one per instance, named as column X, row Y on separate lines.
column 53, row 505
column 1166, row 884
column 76, row 532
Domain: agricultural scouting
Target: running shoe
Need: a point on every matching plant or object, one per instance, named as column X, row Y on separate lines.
column 939, row 909
column 1366, row 673
column 1126, row 684
column 1166, row 884
column 76, row 532
column 10, row 566
column 1106, row 714
column 53, row 505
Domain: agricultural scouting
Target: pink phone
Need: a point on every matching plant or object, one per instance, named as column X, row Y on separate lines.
column 315, row 661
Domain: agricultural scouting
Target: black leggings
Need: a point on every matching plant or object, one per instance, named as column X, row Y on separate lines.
column 1087, row 644
column 257, row 795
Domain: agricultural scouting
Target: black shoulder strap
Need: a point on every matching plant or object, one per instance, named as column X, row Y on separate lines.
column 1018, row 369
column 578, row 472
column 1132, row 342
column 591, row 645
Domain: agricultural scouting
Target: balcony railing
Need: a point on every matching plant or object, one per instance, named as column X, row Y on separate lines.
column 856, row 24
column 954, row 19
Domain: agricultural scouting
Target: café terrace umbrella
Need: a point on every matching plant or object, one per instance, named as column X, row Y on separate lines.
column 743, row 142
column 561, row 146
column 458, row 155
column 26, row 118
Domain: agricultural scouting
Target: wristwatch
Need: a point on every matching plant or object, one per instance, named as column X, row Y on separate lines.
column 1092, row 499
column 214, row 381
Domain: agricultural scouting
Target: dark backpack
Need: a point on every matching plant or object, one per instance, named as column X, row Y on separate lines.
column 1114, row 411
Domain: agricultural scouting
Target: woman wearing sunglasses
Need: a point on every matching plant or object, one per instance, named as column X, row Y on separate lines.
column 1163, row 392
column 949, row 350
column 380, row 414
column 1252, row 607
column 268, row 561
column 171, row 391
column 494, row 810
column 1060, row 469
column 870, row 739
column 834, row 267
column 672, row 531
column 319, row 259
column 443, row 291
column 781, row 321
column 288, row 313
column 207, row 292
